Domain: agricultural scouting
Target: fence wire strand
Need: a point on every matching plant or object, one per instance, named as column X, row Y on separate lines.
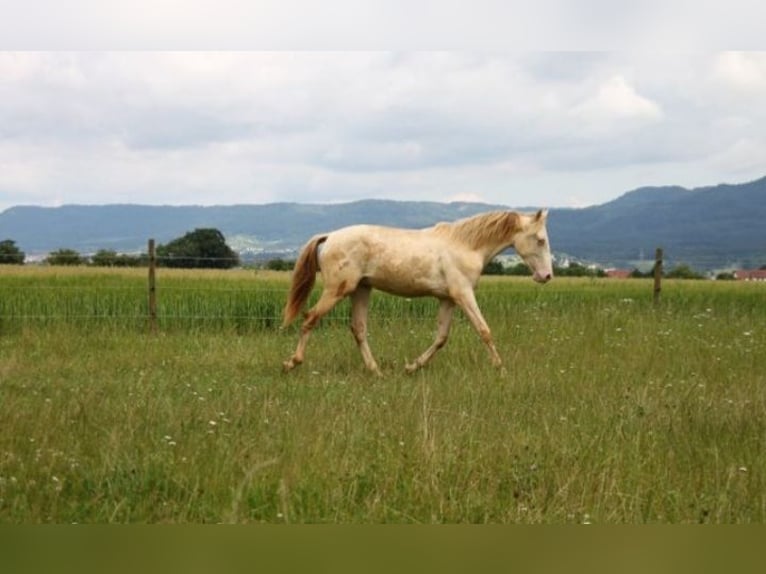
column 228, row 302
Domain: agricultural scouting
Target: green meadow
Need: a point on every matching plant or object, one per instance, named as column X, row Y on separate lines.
column 609, row 409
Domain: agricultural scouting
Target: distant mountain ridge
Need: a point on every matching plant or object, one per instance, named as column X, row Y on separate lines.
column 707, row 227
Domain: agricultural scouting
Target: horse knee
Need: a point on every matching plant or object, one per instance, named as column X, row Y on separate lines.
column 485, row 334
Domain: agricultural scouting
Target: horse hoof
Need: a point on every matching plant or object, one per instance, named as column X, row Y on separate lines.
column 375, row 369
column 411, row 368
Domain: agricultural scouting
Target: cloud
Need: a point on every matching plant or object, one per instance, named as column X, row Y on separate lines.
column 617, row 100
column 467, row 197
column 231, row 127
column 741, row 71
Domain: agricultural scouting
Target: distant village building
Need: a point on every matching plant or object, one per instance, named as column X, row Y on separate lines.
column 750, row 275
column 619, row 273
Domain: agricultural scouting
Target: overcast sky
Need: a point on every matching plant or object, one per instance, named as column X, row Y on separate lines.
column 512, row 127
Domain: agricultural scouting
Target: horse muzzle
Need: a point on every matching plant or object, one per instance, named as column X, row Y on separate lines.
column 543, row 277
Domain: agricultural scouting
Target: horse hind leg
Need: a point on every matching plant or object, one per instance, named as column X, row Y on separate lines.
column 359, row 304
column 442, row 333
column 327, row 301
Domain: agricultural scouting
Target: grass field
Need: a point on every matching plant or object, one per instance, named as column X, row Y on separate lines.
column 610, row 410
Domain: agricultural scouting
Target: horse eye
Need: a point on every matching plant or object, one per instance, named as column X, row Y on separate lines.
column 541, row 242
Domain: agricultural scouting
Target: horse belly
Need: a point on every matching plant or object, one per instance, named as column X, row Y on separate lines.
column 410, row 275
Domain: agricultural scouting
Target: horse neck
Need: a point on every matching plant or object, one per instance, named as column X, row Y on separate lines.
column 488, row 234
column 489, row 250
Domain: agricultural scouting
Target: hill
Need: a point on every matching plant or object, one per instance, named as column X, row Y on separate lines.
column 707, row 227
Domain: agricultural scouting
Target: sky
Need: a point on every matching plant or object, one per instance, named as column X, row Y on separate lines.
column 520, row 125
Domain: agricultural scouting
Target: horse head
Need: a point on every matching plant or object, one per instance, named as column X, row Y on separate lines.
column 532, row 245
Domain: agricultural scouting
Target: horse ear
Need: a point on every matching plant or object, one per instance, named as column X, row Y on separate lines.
column 541, row 215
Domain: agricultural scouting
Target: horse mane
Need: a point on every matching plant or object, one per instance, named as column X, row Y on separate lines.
column 491, row 228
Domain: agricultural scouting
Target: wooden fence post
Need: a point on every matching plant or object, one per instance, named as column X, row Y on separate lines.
column 152, row 288
column 657, row 275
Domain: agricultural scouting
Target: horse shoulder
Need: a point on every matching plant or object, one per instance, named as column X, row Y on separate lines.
column 470, row 272
column 460, row 259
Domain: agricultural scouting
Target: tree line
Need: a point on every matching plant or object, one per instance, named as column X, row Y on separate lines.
column 201, row 248
column 495, row 267
column 207, row 248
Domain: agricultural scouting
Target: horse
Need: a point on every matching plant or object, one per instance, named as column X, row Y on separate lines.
column 444, row 261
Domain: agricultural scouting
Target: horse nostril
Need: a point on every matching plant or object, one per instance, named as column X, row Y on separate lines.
column 548, row 277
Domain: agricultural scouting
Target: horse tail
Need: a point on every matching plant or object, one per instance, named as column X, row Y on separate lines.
column 304, row 276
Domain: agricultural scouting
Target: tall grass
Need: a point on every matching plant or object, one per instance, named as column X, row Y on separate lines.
column 609, row 409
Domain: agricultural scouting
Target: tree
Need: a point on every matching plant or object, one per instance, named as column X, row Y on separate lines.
column 104, row 258
column 64, row 257
column 110, row 258
column 578, row 270
column 518, row 269
column 638, row 274
column 684, row 272
column 201, row 248
column 279, row 265
column 10, row 254
column 494, row 267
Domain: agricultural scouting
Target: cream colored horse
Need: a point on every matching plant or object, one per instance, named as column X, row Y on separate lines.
column 444, row 261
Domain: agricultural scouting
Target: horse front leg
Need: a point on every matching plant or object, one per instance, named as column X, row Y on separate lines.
column 467, row 302
column 359, row 304
column 442, row 333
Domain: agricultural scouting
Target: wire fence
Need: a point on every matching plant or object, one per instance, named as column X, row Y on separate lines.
column 157, row 301
column 244, row 302
column 170, row 261
column 180, row 303
column 158, row 298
